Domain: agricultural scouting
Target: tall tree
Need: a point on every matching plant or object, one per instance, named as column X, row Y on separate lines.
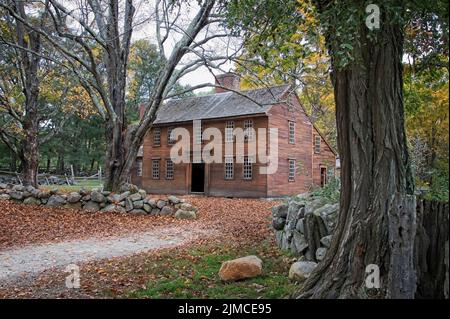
column 20, row 86
column 95, row 36
column 377, row 207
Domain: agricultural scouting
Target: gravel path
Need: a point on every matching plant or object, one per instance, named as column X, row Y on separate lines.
column 32, row 259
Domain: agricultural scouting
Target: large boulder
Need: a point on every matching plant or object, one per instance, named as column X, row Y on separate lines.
column 188, row 207
column 301, row 270
column 56, row 200
column 185, row 214
column 241, row 268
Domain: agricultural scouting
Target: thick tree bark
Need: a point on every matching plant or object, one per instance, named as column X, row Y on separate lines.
column 377, row 211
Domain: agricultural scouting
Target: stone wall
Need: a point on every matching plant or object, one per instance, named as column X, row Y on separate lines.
column 131, row 200
column 304, row 225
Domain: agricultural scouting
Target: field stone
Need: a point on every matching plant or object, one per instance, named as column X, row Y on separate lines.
column 97, row 197
column 56, row 200
column 166, row 210
column 326, row 241
column 320, row 253
column 155, row 211
column 280, row 210
column 16, row 195
column 151, row 202
column 143, row 193
column 31, row 201
column 173, row 199
column 278, row 223
column 185, row 214
column 240, row 268
column 73, row 197
column 4, row 197
column 161, row 203
column 135, row 197
column 3, row 186
column 301, row 270
column 91, row 206
column 137, row 212
column 147, row 208
column 113, row 209
column 128, row 204
column 123, row 196
column 138, row 204
column 300, row 227
column 114, row 198
column 18, row 188
column 188, row 207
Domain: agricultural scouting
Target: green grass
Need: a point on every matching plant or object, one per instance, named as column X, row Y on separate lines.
column 196, row 275
column 87, row 184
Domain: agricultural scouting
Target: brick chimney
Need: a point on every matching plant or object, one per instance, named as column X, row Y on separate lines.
column 229, row 81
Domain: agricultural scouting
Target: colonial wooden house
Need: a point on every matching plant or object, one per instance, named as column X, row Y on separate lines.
column 304, row 156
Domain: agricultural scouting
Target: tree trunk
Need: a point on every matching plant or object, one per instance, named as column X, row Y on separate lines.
column 13, row 162
column 377, row 211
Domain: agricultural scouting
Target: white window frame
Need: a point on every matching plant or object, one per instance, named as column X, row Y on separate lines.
column 248, row 130
column 155, row 168
column 291, row 133
column 156, row 137
column 169, row 169
column 317, row 142
column 229, row 168
column 198, row 134
column 139, row 167
column 291, row 176
column 247, row 168
column 229, row 127
column 170, row 140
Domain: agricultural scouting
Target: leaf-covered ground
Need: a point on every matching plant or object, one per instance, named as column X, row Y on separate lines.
column 241, row 227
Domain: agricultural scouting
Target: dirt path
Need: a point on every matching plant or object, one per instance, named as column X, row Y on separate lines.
column 29, row 260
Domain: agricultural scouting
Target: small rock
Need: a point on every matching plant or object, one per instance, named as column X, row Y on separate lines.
column 143, row 193
column 326, row 241
column 173, row 199
column 320, row 253
column 18, row 188
column 43, row 195
column 151, row 202
column 128, row 204
column 155, row 211
column 3, row 186
column 114, row 198
column 185, row 214
column 301, row 270
column 86, row 198
column 300, row 227
column 241, row 268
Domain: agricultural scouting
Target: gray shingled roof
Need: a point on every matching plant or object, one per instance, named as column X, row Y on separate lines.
column 226, row 104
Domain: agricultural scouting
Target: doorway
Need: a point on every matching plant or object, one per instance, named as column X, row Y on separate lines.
column 323, row 176
column 198, row 178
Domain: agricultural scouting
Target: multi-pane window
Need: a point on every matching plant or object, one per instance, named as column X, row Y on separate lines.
column 291, row 132
column 248, row 167
column 169, row 169
column 229, row 169
column 317, row 144
column 139, row 167
column 198, row 133
column 156, row 136
column 229, row 127
column 155, row 169
column 291, row 170
column 170, row 139
column 248, row 130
